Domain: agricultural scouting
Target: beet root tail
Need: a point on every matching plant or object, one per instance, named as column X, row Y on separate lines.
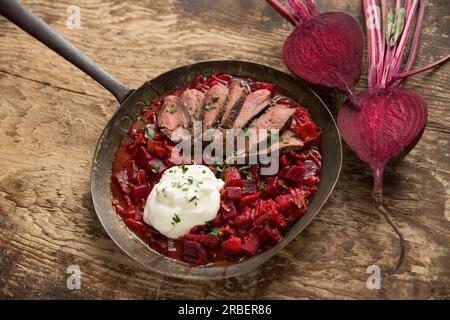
column 378, row 196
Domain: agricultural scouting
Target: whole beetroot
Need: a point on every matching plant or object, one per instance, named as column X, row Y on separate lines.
column 387, row 120
column 324, row 49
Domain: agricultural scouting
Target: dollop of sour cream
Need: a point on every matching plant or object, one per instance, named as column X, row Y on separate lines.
column 186, row 196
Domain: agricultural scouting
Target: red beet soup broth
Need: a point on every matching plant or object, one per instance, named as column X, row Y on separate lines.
column 255, row 210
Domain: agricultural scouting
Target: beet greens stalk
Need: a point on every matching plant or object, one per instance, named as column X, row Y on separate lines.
column 390, row 119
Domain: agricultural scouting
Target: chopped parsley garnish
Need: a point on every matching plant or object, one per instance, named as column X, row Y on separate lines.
column 215, row 232
column 190, row 180
column 155, row 168
column 194, row 198
column 184, row 169
column 215, row 98
column 203, row 171
column 175, row 219
column 207, row 107
column 244, row 168
column 150, row 133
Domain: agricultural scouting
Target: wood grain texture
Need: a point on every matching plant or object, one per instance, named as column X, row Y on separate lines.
column 51, row 116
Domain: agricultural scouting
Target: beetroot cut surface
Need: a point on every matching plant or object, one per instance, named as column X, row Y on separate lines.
column 386, row 119
column 324, row 49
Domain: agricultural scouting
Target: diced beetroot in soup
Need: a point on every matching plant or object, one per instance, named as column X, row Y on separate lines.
column 249, row 186
column 247, row 215
column 251, row 198
column 219, row 220
column 232, row 177
column 299, row 197
column 233, row 193
column 311, row 181
column 283, row 202
column 132, row 171
column 228, row 209
column 138, row 227
column 254, row 209
column 139, row 140
column 309, row 167
column 254, row 172
column 142, row 157
column 272, row 187
column 156, row 148
column 207, row 240
column 121, row 178
column 293, row 173
column 139, row 193
column 141, row 177
column 193, row 252
column 232, row 245
column 251, row 243
column 128, row 213
column 269, row 236
column 284, row 161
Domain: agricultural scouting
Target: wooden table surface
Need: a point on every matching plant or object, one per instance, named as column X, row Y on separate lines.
column 51, row 115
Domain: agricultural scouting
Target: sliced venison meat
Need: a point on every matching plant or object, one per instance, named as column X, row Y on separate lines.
column 213, row 107
column 276, row 117
column 172, row 115
column 289, row 142
column 237, row 92
column 254, row 104
column 192, row 100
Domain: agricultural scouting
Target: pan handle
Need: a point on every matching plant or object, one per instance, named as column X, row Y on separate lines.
column 37, row 28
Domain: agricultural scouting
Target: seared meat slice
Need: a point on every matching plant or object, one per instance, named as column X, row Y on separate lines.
column 254, row 104
column 192, row 100
column 172, row 115
column 289, row 142
column 237, row 92
column 213, row 107
column 276, row 117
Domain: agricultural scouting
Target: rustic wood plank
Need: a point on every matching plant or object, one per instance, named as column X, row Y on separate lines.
column 51, row 116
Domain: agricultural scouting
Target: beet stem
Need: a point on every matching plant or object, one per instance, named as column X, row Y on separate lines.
column 283, row 11
column 299, row 7
column 416, row 39
column 378, row 196
column 419, row 70
column 312, row 8
column 410, row 13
